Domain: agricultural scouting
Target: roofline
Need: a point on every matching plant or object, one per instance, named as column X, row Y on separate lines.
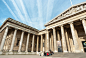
column 42, row 30
column 9, row 19
column 65, row 11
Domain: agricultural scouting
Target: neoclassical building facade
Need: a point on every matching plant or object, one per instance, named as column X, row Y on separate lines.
column 65, row 33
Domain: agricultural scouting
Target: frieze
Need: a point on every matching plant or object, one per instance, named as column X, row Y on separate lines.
column 68, row 12
column 24, row 25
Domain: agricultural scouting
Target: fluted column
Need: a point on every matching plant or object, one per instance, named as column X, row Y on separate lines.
column 4, row 37
column 13, row 41
column 75, row 39
column 33, row 43
column 54, row 37
column 52, row 41
column 67, row 40
column 20, row 45
column 27, row 42
column 37, row 44
column 63, row 39
column 47, row 41
column 58, row 35
column 84, row 24
column 41, row 49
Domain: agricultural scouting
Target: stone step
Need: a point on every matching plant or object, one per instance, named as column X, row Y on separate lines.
column 68, row 54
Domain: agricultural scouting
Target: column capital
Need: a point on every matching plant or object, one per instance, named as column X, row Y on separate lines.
column 41, row 34
column 47, row 29
column 8, row 26
column 81, row 18
column 23, row 31
column 70, row 23
column 53, row 28
column 61, row 25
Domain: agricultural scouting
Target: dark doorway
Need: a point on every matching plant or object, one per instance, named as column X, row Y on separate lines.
column 84, row 45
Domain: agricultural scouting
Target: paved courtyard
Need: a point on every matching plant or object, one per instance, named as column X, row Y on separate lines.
column 60, row 55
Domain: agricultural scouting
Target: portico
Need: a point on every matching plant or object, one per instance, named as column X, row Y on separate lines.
column 65, row 33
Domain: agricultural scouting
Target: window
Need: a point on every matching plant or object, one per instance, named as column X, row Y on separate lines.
column 43, row 44
column 17, row 42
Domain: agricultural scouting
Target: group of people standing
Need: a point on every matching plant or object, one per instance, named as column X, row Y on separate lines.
column 47, row 53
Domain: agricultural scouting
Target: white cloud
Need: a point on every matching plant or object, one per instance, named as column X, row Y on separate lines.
column 49, row 9
column 18, row 11
column 10, row 10
column 39, row 4
column 25, row 12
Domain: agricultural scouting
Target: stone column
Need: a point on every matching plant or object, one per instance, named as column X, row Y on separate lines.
column 20, row 45
column 4, row 37
column 58, row 35
column 79, row 42
column 54, row 37
column 63, row 39
column 47, row 41
column 74, row 35
column 67, row 40
column 37, row 44
column 84, row 24
column 52, row 41
column 33, row 43
column 13, row 40
column 41, row 49
column 27, row 42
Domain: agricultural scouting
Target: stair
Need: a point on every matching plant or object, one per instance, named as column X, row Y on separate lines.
column 69, row 55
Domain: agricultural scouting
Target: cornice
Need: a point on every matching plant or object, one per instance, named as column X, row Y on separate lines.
column 69, row 12
column 19, row 23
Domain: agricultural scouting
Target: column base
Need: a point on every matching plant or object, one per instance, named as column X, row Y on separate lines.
column 55, row 51
column 65, row 51
column 78, row 51
column 31, row 51
column 37, row 52
column 82, row 50
column 19, row 51
column 10, row 50
column 26, row 51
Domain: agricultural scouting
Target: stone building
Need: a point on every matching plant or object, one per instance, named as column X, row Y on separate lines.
column 64, row 33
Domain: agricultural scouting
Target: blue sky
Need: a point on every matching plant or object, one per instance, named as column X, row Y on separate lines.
column 34, row 13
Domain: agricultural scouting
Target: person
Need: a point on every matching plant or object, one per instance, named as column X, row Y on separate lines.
column 47, row 54
column 44, row 53
column 51, row 52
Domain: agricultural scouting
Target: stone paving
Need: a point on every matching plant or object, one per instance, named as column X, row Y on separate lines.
column 56, row 55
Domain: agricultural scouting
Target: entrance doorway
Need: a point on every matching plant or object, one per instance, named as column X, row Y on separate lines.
column 84, row 45
column 59, row 46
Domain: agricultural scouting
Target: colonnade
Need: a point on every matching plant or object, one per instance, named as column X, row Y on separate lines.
column 65, row 40
column 53, row 45
column 21, row 41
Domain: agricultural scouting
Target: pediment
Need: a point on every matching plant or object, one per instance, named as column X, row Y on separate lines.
column 70, row 11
